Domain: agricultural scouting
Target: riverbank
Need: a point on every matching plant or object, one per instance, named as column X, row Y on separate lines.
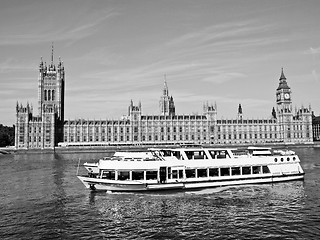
column 111, row 149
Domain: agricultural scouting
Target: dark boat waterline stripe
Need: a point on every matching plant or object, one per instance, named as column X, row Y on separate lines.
column 207, row 181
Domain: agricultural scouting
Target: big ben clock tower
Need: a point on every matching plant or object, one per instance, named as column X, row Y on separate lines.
column 283, row 94
column 284, row 108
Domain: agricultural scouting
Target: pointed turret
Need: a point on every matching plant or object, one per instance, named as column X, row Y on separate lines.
column 240, row 112
column 283, row 81
column 166, row 102
column 52, row 54
column 273, row 113
column 165, row 86
column 240, row 109
column 282, row 75
column 41, row 64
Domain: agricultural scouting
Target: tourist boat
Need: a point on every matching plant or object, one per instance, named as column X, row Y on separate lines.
column 191, row 168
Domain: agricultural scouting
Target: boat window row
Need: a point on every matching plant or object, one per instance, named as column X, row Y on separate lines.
column 200, row 155
column 282, row 159
column 227, row 171
column 172, row 173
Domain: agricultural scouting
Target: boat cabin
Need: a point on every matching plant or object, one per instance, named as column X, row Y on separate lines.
column 194, row 154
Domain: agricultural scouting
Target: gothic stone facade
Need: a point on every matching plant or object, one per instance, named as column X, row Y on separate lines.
column 284, row 126
column 316, row 128
column 45, row 130
column 49, row 128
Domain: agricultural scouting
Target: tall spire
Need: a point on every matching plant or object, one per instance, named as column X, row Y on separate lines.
column 283, row 81
column 165, row 86
column 282, row 75
column 52, row 54
column 240, row 109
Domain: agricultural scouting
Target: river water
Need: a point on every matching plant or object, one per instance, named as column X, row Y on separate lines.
column 41, row 198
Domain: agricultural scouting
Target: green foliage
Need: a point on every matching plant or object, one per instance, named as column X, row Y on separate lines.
column 6, row 136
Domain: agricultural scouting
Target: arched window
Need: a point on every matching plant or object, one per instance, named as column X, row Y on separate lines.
column 49, row 95
column 52, row 95
column 45, row 95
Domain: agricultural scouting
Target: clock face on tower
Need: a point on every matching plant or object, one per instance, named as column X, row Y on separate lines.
column 286, row 96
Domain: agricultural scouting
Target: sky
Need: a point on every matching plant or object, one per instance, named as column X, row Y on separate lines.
column 227, row 52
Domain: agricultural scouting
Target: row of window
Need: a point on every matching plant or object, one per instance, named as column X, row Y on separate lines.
column 247, row 136
column 270, row 121
column 247, row 127
column 121, row 138
column 38, row 139
column 49, row 95
column 165, row 137
column 179, row 129
column 184, row 174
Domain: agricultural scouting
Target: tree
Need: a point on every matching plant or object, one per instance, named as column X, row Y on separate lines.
column 4, row 140
column 6, row 136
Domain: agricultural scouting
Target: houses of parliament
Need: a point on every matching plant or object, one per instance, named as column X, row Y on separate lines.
column 48, row 128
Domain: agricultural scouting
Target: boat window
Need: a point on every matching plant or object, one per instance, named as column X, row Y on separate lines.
column 202, row 172
column 239, row 152
column 174, row 174
column 123, row 175
column 180, row 173
column 189, row 154
column 222, row 154
column 265, row 169
column 213, row 172
column 225, row 171
column 212, row 154
column 151, row 175
column 109, row 175
column 196, row 154
column 199, row 155
column 137, row 175
column 219, row 154
column 169, row 172
column 256, row 169
column 190, row 173
column 165, row 153
column 246, row 170
column 176, row 154
column 235, row 170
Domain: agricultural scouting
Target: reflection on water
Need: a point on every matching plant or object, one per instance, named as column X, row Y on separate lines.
column 210, row 211
column 42, row 198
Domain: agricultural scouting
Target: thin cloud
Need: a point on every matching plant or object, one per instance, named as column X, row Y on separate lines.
column 221, row 77
column 68, row 31
column 313, row 51
column 11, row 65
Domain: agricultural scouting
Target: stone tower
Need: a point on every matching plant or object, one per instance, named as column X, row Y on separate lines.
column 51, row 88
column 284, row 108
column 46, row 129
column 166, row 102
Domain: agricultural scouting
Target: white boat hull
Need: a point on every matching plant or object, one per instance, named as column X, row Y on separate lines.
column 132, row 186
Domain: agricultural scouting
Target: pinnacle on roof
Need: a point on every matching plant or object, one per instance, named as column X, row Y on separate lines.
column 282, row 75
column 240, row 109
column 283, row 81
column 165, row 86
column 52, row 53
